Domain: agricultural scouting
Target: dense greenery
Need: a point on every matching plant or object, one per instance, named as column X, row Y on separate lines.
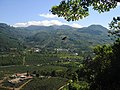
column 36, row 58
column 98, row 71
column 10, row 60
column 3, row 88
column 42, row 70
column 8, row 38
column 45, row 84
column 102, row 72
column 79, row 40
column 73, row 10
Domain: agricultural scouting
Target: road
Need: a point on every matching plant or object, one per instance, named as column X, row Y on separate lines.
column 23, row 85
column 63, row 86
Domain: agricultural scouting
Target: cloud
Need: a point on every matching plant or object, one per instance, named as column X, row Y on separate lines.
column 118, row 4
column 20, row 25
column 76, row 25
column 48, row 15
column 45, row 23
column 39, row 23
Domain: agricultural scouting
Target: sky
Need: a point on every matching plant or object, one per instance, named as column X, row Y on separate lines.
column 22, row 13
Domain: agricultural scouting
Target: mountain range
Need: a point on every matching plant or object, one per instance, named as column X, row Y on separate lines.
column 51, row 37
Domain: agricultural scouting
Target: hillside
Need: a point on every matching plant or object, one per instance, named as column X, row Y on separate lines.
column 9, row 37
column 51, row 37
column 81, row 39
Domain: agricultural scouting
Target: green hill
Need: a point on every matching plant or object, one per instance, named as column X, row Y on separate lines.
column 9, row 38
column 81, row 39
column 51, row 37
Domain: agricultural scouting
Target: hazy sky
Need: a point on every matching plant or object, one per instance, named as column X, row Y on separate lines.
column 36, row 12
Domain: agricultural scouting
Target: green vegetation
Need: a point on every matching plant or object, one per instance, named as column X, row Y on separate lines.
column 3, row 88
column 73, row 10
column 21, row 69
column 7, row 84
column 100, row 72
column 45, row 84
column 63, row 60
column 1, row 75
column 35, row 59
column 68, row 62
column 115, row 27
column 10, row 60
column 47, row 39
column 10, row 38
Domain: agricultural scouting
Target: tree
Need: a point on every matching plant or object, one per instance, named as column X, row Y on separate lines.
column 115, row 27
column 103, row 71
column 73, row 10
column 98, row 68
column 53, row 73
column 37, row 75
column 75, row 77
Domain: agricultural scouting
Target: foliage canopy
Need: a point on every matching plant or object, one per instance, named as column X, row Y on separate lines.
column 73, row 10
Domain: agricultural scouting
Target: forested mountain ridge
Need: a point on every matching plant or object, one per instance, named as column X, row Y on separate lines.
column 9, row 37
column 51, row 37
column 78, row 39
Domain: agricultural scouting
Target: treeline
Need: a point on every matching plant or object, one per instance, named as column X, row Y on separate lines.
column 10, row 60
column 18, row 58
column 29, row 59
column 37, row 58
column 102, row 72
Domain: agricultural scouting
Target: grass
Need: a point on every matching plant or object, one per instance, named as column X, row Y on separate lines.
column 53, row 83
column 3, row 88
column 21, row 69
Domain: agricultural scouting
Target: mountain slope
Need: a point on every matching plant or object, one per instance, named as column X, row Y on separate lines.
column 76, row 39
column 10, row 37
column 81, row 39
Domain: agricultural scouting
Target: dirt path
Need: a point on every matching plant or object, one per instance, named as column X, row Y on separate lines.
column 63, row 86
column 23, row 85
column 10, row 88
column 1, row 81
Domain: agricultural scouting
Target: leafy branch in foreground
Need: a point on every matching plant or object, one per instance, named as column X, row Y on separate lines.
column 115, row 26
column 73, row 10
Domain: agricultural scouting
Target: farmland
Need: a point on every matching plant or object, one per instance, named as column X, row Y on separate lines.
column 58, row 66
column 45, row 84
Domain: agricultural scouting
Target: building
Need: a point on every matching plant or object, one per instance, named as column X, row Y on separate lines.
column 19, row 77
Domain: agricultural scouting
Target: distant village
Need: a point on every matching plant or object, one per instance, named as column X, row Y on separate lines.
column 19, row 77
column 18, row 80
